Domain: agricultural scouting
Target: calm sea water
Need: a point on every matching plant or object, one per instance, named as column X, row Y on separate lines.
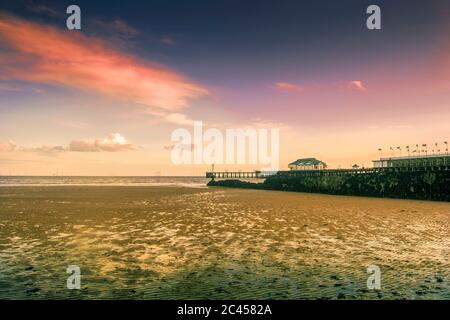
column 103, row 180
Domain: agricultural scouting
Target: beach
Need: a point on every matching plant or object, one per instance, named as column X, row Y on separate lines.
column 181, row 242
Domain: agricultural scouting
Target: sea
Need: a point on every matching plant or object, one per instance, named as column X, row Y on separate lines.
column 184, row 181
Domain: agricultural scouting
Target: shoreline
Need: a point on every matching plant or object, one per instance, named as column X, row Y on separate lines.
column 163, row 187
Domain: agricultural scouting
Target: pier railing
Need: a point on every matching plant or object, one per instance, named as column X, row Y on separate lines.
column 236, row 175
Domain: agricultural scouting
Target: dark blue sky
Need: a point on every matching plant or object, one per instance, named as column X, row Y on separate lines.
column 214, row 40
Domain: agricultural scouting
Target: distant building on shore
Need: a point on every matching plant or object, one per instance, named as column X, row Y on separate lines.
column 434, row 160
column 307, row 164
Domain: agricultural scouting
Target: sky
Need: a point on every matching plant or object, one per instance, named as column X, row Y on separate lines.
column 104, row 100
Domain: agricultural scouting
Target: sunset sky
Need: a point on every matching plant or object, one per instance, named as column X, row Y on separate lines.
column 105, row 100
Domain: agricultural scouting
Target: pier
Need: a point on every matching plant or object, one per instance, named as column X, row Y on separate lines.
column 236, row 175
column 426, row 183
column 412, row 177
column 325, row 172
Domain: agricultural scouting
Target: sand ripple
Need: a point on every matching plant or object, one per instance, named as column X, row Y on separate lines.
column 153, row 242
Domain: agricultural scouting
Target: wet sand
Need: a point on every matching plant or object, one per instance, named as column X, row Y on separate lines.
column 189, row 243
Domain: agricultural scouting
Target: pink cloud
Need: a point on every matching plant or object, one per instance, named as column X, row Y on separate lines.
column 178, row 118
column 356, row 85
column 8, row 146
column 289, row 87
column 47, row 55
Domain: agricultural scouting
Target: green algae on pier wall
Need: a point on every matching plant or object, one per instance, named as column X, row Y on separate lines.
column 425, row 185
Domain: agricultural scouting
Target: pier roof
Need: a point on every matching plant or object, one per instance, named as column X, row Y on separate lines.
column 306, row 162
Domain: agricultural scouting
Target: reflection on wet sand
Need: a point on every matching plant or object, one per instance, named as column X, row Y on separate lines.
column 169, row 242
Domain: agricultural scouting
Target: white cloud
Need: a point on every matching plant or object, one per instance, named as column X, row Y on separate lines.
column 114, row 142
column 289, row 87
column 178, row 118
column 45, row 150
